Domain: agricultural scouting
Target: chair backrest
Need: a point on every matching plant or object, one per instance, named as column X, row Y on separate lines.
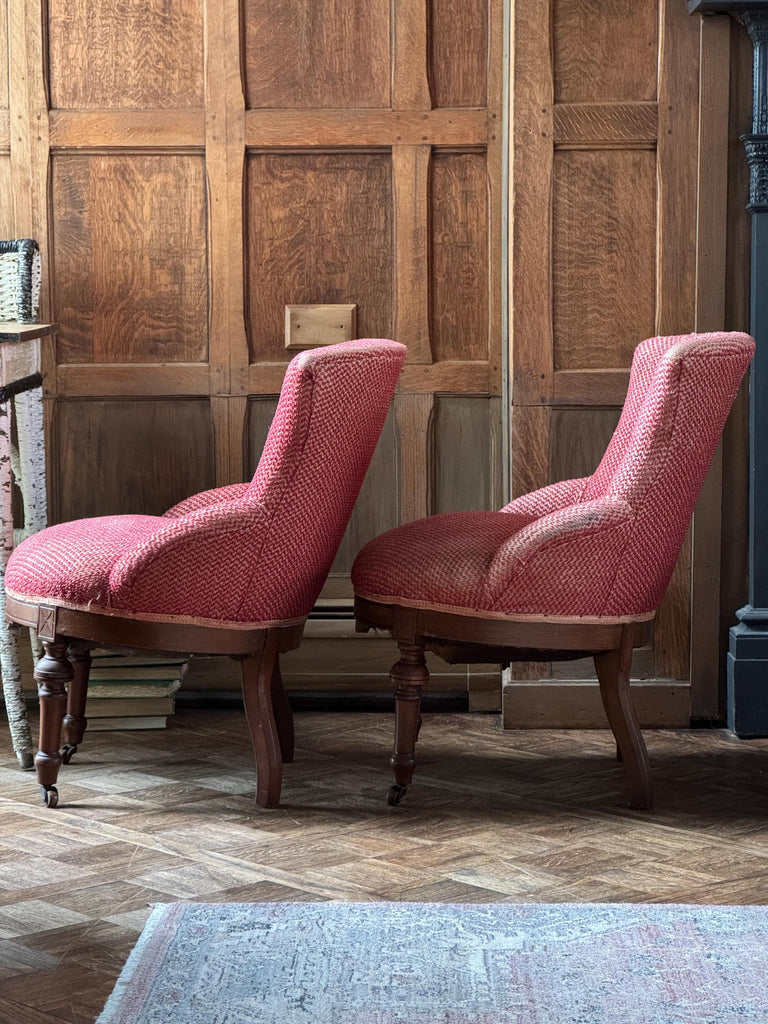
column 328, row 420
column 680, row 393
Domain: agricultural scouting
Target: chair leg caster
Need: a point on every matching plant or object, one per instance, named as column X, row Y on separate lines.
column 396, row 794
column 50, row 795
column 67, row 752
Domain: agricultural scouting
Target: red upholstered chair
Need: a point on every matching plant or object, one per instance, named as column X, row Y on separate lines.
column 232, row 571
column 567, row 570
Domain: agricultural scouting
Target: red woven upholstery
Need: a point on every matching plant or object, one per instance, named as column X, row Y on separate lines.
column 246, row 554
column 601, row 547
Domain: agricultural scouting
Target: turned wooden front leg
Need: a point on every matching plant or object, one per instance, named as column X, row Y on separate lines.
column 409, row 675
column 75, row 722
column 52, row 673
column 613, row 669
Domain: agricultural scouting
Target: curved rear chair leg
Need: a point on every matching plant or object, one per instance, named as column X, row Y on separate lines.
column 75, row 722
column 258, row 671
column 281, row 709
column 52, row 673
column 613, row 672
column 408, row 675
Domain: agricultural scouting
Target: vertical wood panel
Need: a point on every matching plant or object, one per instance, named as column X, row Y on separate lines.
column 410, row 171
column 458, row 52
column 130, row 251
column 676, row 285
column 6, row 207
column 129, row 55
column 529, row 448
column 317, row 53
column 604, row 256
column 332, row 241
column 260, row 414
column 463, row 425
column 578, row 441
column 410, row 82
column 530, row 215
column 414, row 416
column 459, row 256
column 228, row 416
column 137, row 451
column 605, row 50
column 4, row 61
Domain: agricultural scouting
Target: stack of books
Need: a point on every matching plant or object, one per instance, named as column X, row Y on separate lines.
column 131, row 691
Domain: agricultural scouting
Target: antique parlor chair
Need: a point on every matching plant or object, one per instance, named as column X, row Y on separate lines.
column 570, row 569
column 232, row 571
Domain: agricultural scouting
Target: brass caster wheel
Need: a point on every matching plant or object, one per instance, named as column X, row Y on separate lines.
column 50, row 795
column 67, row 751
column 396, row 794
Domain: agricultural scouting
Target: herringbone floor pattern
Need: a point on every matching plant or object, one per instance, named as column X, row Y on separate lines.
column 517, row 816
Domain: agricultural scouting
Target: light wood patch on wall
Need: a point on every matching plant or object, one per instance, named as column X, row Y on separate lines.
column 604, row 223
column 459, row 256
column 319, row 230
column 120, row 456
column 605, row 50
column 458, row 52
column 317, row 53
column 130, row 258
column 129, row 55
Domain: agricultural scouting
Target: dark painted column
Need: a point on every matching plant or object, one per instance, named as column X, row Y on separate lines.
column 748, row 648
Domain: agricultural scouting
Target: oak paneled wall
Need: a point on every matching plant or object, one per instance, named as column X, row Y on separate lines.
column 458, row 53
column 578, row 440
column 6, row 206
column 332, row 241
column 4, row 62
column 459, row 253
column 129, row 252
column 317, row 53
column 130, row 455
column 131, row 55
column 466, row 423
column 605, row 50
column 604, row 275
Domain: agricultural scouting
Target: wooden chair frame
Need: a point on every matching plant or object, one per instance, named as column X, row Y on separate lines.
column 62, row 674
column 462, row 639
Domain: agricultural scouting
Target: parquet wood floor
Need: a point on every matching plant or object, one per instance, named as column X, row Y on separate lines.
column 494, row 816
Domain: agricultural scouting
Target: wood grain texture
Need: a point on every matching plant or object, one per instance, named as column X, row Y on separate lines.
column 590, row 387
column 260, row 414
column 5, row 136
column 129, row 245
column 605, row 50
column 606, row 125
column 711, row 240
column 558, row 705
column 332, row 242
column 3, row 58
column 459, row 256
column 138, row 451
column 6, row 208
column 418, row 454
column 531, row 205
column 361, row 127
column 131, row 55
column 410, row 173
column 578, row 441
column 529, row 448
column 410, row 80
column 378, row 505
column 81, row 380
column 316, row 53
column 458, row 51
column 464, row 454
column 224, row 169
column 127, row 129
column 604, row 236
column 229, row 415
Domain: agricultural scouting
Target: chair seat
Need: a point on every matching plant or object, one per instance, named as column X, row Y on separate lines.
column 72, row 563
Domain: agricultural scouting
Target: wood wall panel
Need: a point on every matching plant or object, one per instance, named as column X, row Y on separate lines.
column 463, row 423
column 129, row 55
column 4, row 61
column 604, row 224
column 121, row 456
column 605, row 50
column 459, row 256
column 317, row 53
column 320, row 229
column 260, row 413
column 458, row 52
column 578, row 441
column 6, row 207
column 129, row 245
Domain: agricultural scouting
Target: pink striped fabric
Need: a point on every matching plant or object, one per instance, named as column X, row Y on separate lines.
column 599, row 547
column 244, row 554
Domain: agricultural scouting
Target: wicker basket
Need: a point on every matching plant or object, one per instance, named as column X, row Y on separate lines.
column 20, row 281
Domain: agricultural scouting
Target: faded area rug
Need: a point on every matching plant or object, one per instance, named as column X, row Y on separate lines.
column 425, row 963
